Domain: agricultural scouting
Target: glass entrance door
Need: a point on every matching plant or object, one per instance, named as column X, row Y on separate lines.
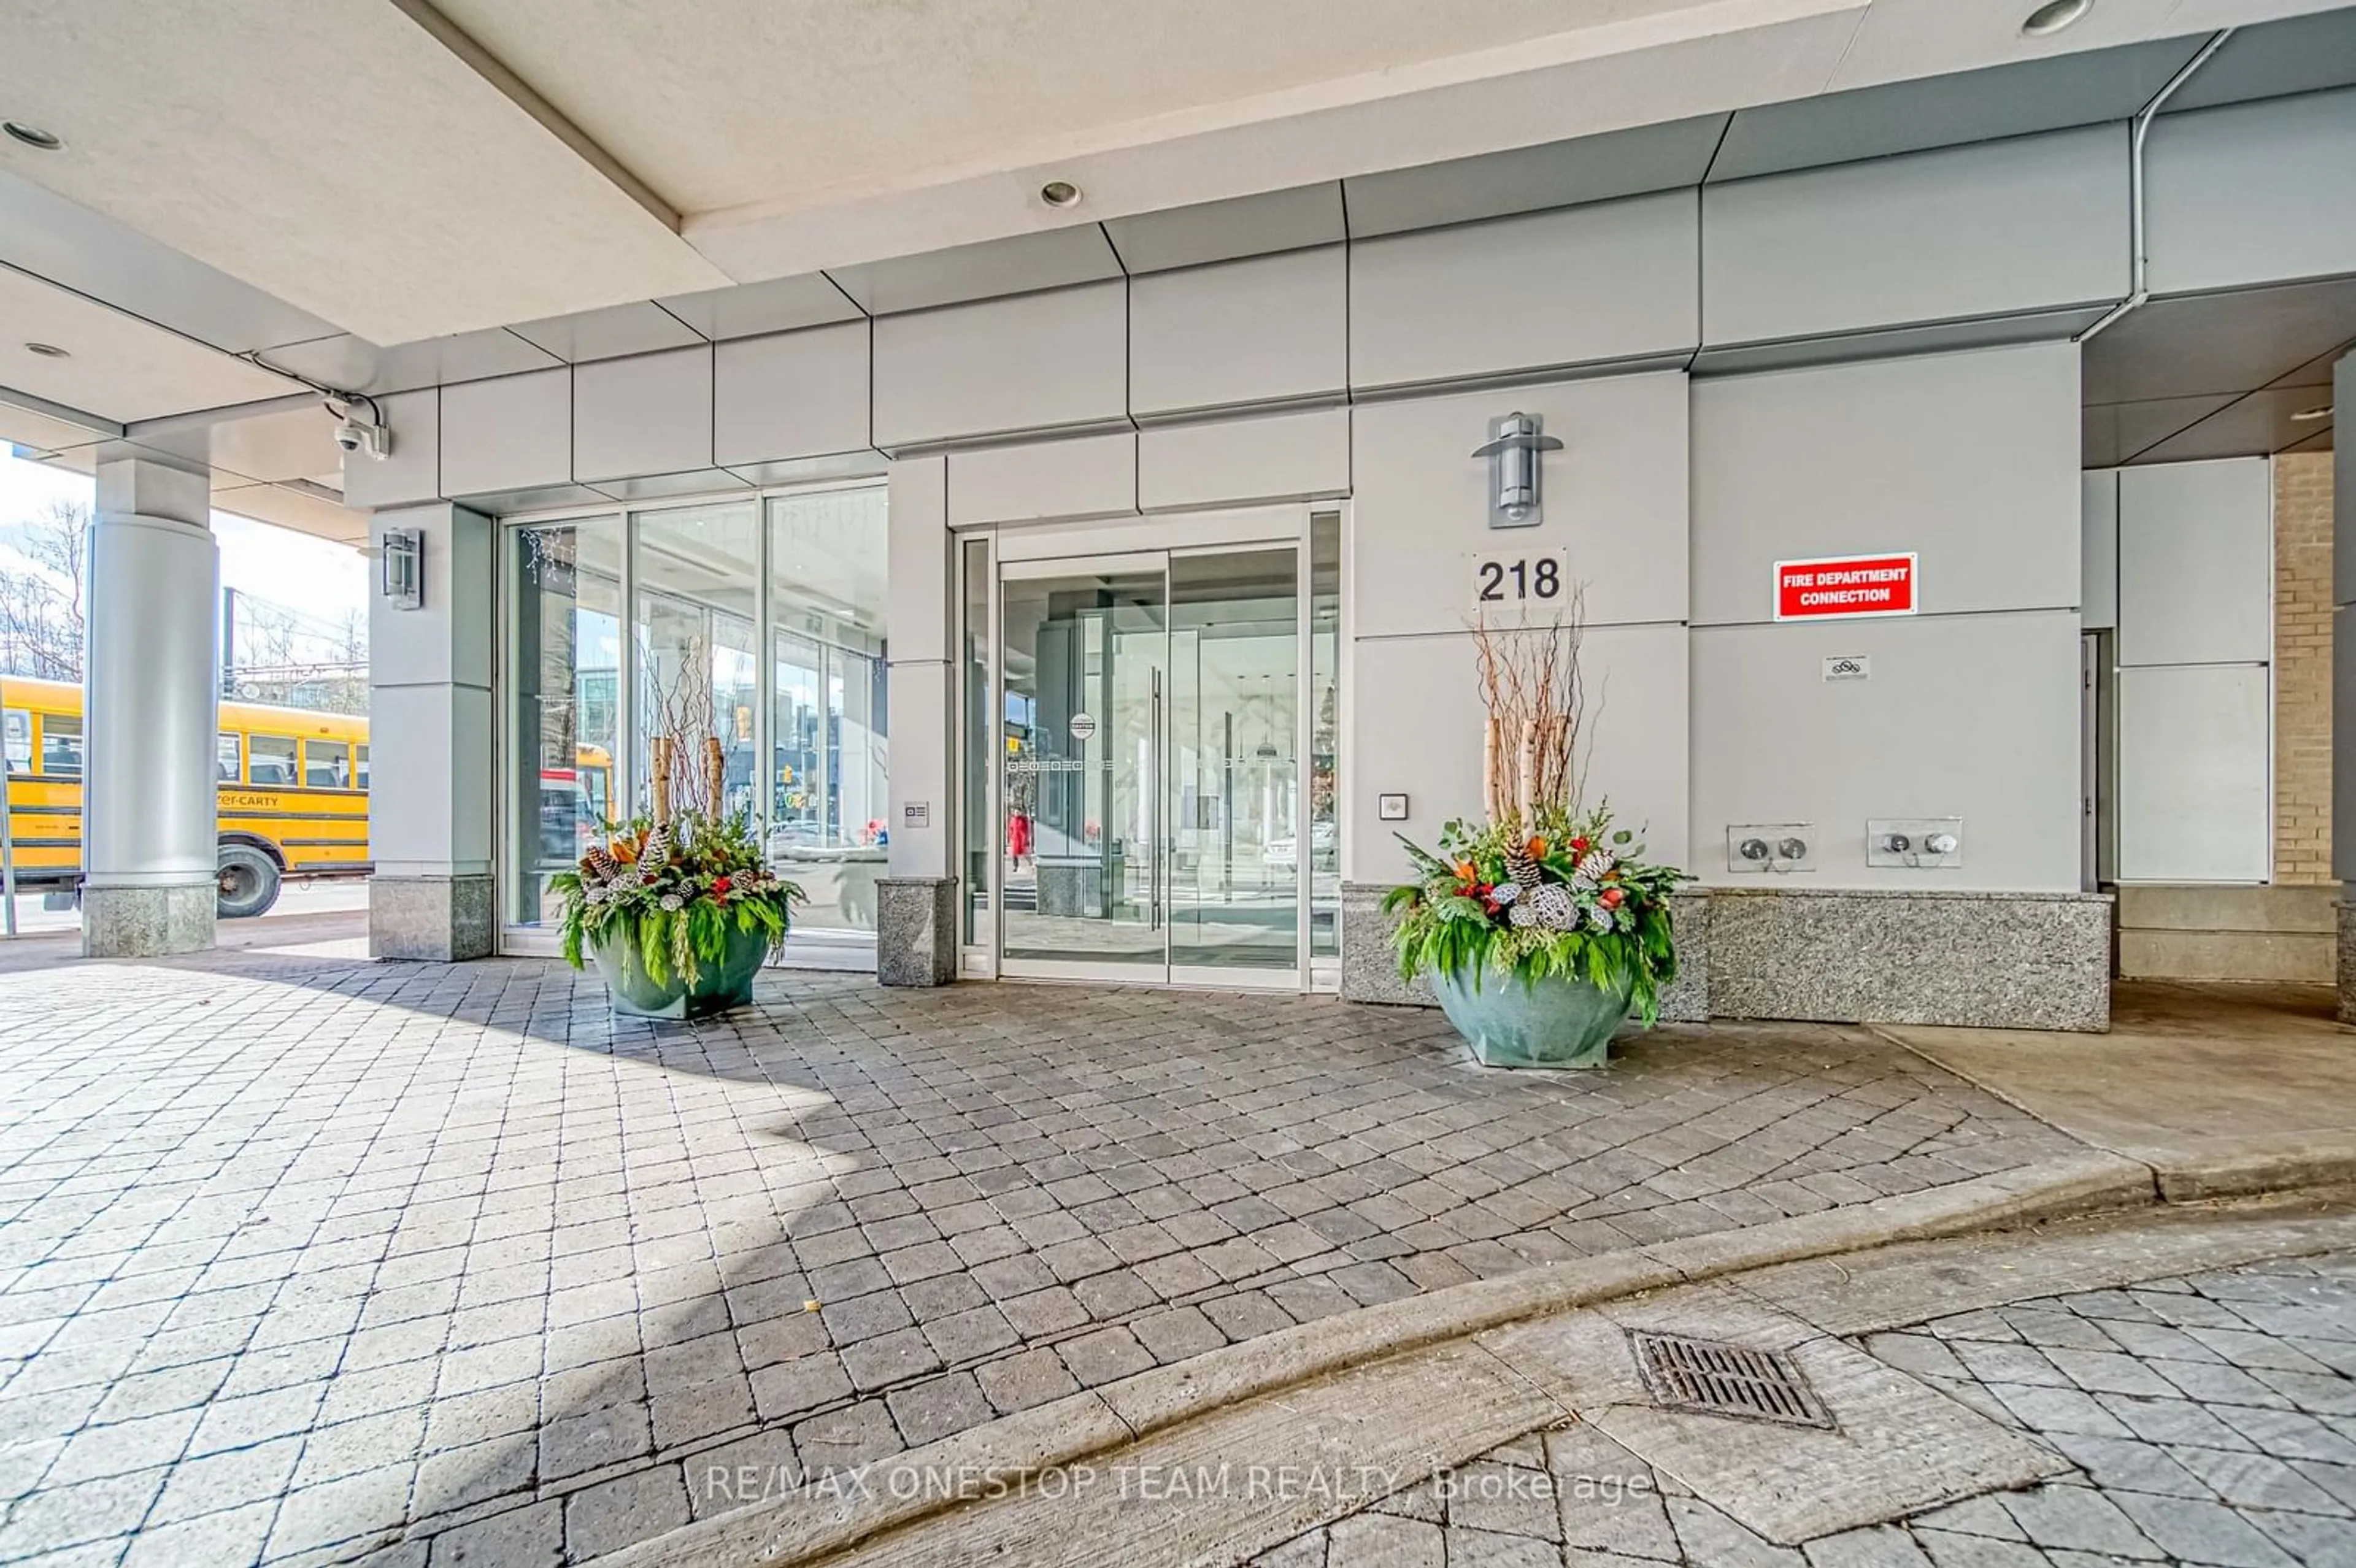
column 1086, row 650
column 1150, row 791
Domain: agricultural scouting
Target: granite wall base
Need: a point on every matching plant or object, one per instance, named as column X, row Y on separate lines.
column 915, row 930
column 2347, row 965
column 430, row 920
column 1844, row 955
column 1981, row 960
column 147, row 923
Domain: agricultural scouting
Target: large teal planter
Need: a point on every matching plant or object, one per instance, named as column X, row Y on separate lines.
column 718, row 986
column 1557, row 1022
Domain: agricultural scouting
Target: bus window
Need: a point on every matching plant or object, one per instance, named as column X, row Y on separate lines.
column 229, row 756
column 16, row 741
column 327, row 764
column 593, row 796
column 270, row 759
column 61, row 745
column 359, row 767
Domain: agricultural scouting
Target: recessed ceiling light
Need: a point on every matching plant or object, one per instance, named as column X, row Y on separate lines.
column 1060, row 194
column 47, row 351
column 2307, row 416
column 31, row 136
column 2053, row 17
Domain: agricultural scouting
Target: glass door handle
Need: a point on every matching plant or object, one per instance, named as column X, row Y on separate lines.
column 1153, row 811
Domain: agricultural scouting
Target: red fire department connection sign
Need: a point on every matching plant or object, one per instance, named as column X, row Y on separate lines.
column 1845, row 585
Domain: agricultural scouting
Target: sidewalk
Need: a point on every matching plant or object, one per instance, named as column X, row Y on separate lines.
column 2172, row 1387
column 309, row 1261
column 2220, row 1088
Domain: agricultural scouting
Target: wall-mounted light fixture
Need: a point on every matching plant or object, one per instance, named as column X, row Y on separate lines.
column 1513, row 450
column 2053, row 17
column 400, row 567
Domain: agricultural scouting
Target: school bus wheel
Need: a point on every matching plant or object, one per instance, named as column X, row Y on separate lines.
column 249, row 883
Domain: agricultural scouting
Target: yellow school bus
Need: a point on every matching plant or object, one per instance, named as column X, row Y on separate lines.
column 293, row 790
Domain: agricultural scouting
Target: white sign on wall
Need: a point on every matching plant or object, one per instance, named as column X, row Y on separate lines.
column 1521, row 579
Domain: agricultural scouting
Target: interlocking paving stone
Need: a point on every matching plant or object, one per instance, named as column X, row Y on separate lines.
column 2225, row 1484
column 441, row 1247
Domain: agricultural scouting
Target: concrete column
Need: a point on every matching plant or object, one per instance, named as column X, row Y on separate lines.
column 150, row 854
column 430, row 796
column 2343, row 681
column 915, row 906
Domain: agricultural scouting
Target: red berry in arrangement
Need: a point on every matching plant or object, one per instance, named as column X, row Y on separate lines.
column 720, row 886
column 1578, row 845
column 1610, row 898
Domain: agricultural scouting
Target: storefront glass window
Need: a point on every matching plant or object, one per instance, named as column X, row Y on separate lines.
column 828, row 730
column 1324, row 734
column 757, row 624
column 562, row 681
column 695, row 579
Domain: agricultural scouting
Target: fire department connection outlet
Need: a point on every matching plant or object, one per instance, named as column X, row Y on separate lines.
column 1764, row 847
column 1914, row 843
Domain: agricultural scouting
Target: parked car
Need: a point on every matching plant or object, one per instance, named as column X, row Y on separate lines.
column 1323, row 837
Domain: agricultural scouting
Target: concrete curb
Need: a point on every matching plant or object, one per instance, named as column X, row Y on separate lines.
column 808, row 1525
column 2283, row 1164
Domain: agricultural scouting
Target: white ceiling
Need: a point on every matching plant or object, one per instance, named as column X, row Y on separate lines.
column 302, row 180
column 407, row 174
column 332, row 154
column 2216, row 375
column 733, row 102
column 118, row 366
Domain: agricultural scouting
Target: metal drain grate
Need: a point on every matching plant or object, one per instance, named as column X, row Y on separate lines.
column 1709, row 1377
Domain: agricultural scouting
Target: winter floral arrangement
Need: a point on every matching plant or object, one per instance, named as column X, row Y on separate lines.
column 1542, row 889
column 1558, row 894
column 674, row 886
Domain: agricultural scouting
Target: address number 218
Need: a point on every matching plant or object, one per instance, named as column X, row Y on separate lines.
column 1533, row 577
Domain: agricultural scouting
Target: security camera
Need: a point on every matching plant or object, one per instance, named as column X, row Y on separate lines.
column 356, row 432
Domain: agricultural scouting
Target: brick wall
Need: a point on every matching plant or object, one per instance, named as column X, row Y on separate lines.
column 2303, row 668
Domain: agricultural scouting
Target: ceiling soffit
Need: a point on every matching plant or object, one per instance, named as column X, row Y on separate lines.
column 114, row 366
column 2193, row 344
column 406, row 197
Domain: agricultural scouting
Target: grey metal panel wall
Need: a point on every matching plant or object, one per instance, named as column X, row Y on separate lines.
column 2255, row 193
column 1971, row 709
column 2098, row 574
column 2196, row 562
column 795, row 394
column 1615, row 499
column 1585, row 286
column 1033, row 362
column 1969, row 716
column 1416, row 729
column 1093, row 476
column 413, row 471
column 1274, row 328
column 513, row 433
column 2019, row 225
column 1970, row 459
column 644, row 415
column 2195, row 804
column 1275, row 455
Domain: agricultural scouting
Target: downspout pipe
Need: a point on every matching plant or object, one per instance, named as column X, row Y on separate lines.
column 2139, row 265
